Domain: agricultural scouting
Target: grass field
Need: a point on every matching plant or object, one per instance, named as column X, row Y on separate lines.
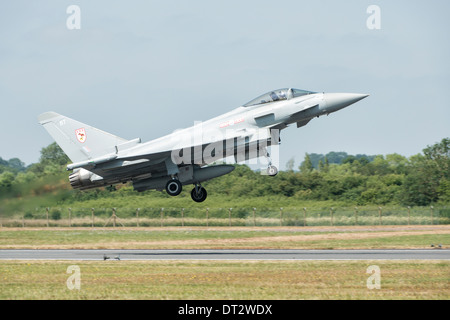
column 359, row 237
column 260, row 280
column 225, row 280
column 317, row 214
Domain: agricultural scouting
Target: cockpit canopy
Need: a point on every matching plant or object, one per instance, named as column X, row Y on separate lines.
column 277, row 95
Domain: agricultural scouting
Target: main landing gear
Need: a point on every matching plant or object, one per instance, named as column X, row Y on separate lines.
column 198, row 194
column 174, row 187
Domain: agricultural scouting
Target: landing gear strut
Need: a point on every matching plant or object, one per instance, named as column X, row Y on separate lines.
column 271, row 170
column 198, row 194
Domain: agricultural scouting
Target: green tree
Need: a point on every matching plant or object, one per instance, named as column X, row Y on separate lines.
column 439, row 155
column 53, row 154
column 306, row 166
column 397, row 163
column 326, row 165
column 336, row 157
column 51, row 161
column 6, row 181
column 290, row 165
column 426, row 181
column 444, row 190
column 16, row 164
column 349, row 159
column 321, row 165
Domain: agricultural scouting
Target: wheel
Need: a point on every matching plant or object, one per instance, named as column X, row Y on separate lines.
column 199, row 196
column 272, row 171
column 173, row 187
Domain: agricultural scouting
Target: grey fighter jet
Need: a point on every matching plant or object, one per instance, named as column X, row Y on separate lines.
column 188, row 156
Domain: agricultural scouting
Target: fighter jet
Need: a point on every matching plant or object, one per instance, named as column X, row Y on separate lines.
column 188, row 156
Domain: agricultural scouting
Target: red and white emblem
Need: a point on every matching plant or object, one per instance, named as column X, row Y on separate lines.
column 81, row 135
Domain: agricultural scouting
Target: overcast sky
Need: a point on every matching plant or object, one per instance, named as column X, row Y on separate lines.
column 145, row 68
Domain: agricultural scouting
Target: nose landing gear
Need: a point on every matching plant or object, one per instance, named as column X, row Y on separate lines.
column 272, row 171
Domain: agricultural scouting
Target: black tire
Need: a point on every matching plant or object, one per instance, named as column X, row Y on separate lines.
column 173, row 187
column 272, row 171
column 200, row 196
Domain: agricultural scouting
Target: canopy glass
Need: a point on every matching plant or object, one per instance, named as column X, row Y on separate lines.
column 278, row 95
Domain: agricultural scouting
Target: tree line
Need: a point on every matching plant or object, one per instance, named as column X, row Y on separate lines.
column 420, row 180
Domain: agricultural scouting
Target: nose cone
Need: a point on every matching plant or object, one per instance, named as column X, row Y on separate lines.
column 337, row 101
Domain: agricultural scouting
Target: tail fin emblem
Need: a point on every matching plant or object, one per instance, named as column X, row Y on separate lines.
column 81, row 135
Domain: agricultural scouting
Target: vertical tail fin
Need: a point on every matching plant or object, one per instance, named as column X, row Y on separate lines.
column 78, row 140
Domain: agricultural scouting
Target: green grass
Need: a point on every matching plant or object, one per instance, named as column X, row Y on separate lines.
column 225, row 280
column 385, row 242
column 317, row 214
column 224, row 237
column 100, row 237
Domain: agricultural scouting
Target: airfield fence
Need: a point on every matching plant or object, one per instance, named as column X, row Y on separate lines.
column 245, row 216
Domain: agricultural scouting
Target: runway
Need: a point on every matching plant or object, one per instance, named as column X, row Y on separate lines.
column 57, row 254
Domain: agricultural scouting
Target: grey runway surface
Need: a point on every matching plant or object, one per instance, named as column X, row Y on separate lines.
column 57, row 254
